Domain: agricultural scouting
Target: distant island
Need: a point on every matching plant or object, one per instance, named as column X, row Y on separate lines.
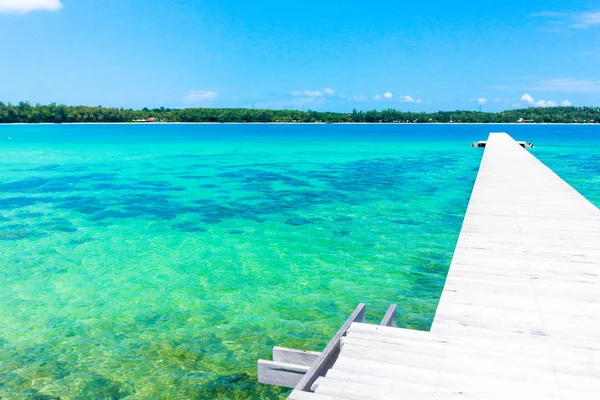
column 53, row 113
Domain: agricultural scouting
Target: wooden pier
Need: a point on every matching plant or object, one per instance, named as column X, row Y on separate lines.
column 519, row 317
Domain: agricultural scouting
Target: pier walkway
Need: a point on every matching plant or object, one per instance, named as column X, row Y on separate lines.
column 519, row 317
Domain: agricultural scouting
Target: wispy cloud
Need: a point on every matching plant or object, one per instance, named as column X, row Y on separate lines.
column 314, row 93
column 388, row 95
column 567, row 85
column 586, row 20
column 566, row 103
column 377, row 97
column 200, row 96
column 360, row 97
column 27, row 6
column 307, row 93
column 581, row 20
column 482, row 100
column 550, row 14
column 570, row 85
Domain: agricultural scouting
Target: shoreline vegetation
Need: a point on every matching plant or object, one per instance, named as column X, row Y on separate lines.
column 25, row 113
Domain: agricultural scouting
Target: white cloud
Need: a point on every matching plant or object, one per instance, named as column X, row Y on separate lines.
column 197, row 96
column 388, row 95
column 527, row 98
column 497, row 99
column 545, row 103
column 342, row 96
column 376, row 97
column 408, row 99
column 360, row 97
column 418, row 101
column 307, row 93
column 27, row 6
column 586, row 20
column 582, row 20
column 314, row 93
column 482, row 100
column 566, row 103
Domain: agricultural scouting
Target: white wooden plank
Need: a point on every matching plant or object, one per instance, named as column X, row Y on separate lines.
column 300, row 395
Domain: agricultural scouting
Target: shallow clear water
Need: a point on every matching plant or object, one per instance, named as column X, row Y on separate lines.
column 161, row 261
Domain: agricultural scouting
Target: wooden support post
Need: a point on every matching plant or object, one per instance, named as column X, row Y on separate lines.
column 328, row 357
column 390, row 317
column 293, row 356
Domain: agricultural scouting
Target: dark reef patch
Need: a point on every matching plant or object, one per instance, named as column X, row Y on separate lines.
column 188, row 227
column 23, row 185
column 27, row 215
column 297, row 221
column 289, row 191
column 61, row 168
column 58, row 225
column 34, row 394
column 103, row 388
column 82, row 204
column 59, row 184
column 204, row 202
column 143, row 185
column 108, row 214
column 16, row 235
column 343, row 219
column 77, row 242
column 258, row 177
column 341, row 233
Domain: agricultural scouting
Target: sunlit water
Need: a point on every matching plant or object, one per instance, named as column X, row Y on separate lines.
column 161, row 261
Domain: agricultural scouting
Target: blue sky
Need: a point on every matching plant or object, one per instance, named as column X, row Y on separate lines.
column 321, row 55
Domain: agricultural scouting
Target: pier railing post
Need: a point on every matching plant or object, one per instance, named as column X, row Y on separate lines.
column 328, row 357
column 389, row 318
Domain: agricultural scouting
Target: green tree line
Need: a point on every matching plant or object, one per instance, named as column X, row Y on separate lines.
column 53, row 113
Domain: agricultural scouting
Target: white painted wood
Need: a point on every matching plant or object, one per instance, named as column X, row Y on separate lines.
column 293, row 356
column 389, row 319
column 349, row 389
column 327, row 358
column 300, row 395
column 519, row 316
column 280, row 373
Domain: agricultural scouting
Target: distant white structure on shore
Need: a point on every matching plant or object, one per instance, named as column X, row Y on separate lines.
column 525, row 121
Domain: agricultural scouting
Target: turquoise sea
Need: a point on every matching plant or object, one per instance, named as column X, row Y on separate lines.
column 161, row 261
